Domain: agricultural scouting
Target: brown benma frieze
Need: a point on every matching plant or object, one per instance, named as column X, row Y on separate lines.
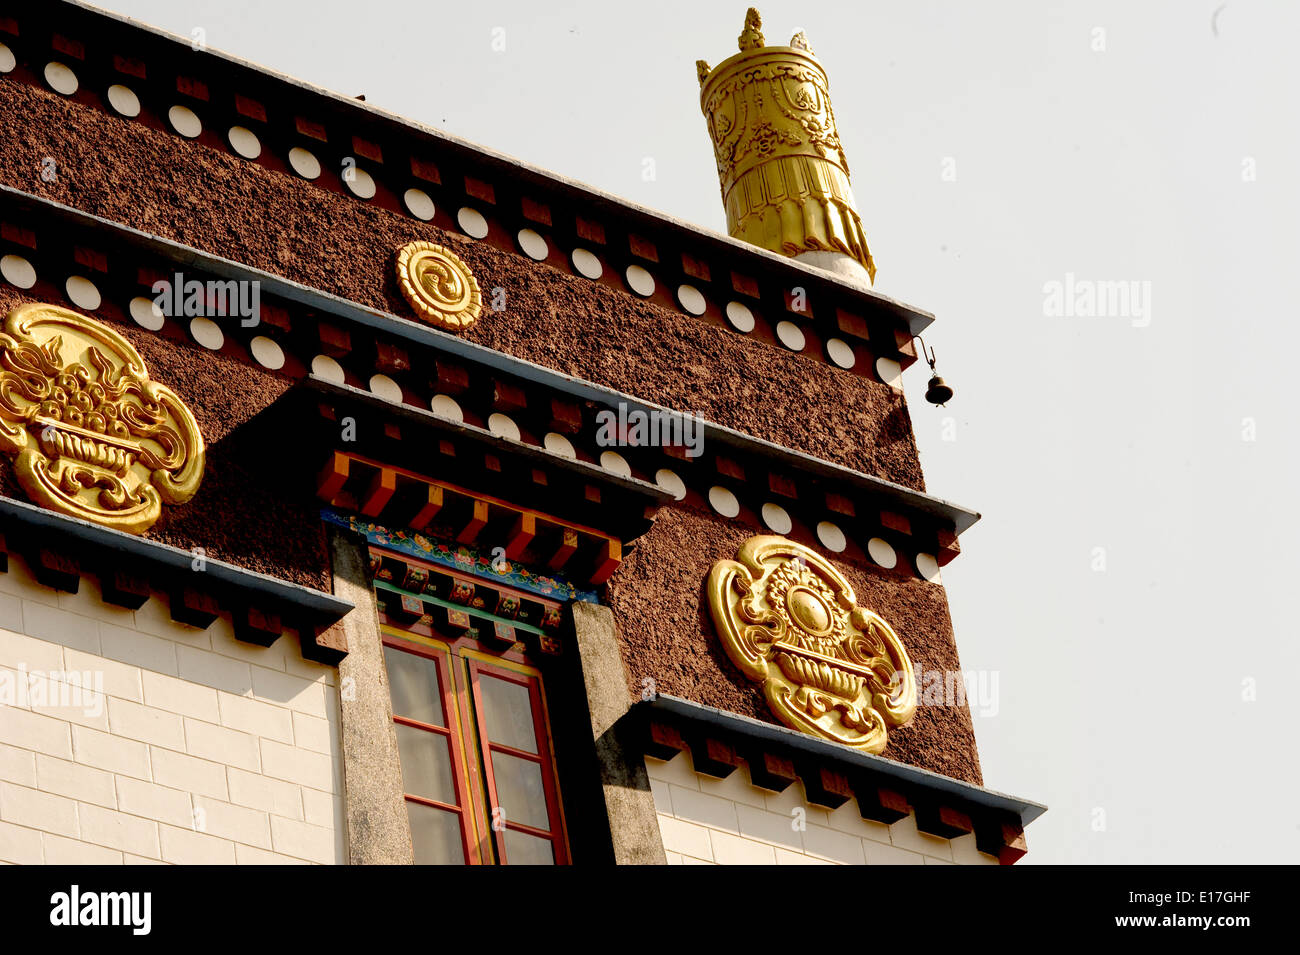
column 347, row 147
column 662, row 642
column 656, row 594
column 474, row 389
column 593, row 330
column 227, row 388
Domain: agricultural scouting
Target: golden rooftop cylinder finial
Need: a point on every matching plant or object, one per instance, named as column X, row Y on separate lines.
column 784, row 177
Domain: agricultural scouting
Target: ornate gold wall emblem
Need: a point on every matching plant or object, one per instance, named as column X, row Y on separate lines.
column 91, row 435
column 828, row 667
column 439, row 286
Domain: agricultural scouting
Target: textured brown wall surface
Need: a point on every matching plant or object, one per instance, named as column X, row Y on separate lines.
column 245, row 512
column 217, row 202
column 667, row 634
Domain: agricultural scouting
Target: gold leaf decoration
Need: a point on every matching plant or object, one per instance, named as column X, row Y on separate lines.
column 781, row 164
column 790, row 621
column 438, row 285
column 90, row 434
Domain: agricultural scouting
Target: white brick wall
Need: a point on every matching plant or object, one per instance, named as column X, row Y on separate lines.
column 197, row 749
column 707, row 821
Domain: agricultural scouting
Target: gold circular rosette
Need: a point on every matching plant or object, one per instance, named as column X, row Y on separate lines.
column 789, row 620
column 91, row 435
column 438, row 285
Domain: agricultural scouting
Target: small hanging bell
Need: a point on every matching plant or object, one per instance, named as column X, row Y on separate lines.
column 938, row 392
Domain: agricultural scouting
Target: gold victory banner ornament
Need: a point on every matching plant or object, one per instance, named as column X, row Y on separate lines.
column 90, row 434
column 784, row 176
column 789, row 620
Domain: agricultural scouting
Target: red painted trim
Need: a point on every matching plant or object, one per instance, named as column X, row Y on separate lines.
column 458, row 675
column 455, row 741
column 544, row 757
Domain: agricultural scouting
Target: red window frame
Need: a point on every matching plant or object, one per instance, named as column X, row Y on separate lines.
column 457, row 667
column 543, row 757
column 451, row 711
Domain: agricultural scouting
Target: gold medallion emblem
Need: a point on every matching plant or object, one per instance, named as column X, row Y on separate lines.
column 789, row 620
column 91, row 435
column 439, row 286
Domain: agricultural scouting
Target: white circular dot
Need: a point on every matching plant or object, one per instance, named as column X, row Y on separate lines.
column 587, row 264
column 640, row 281
column 147, row 314
column 670, row 482
column 831, row 536
column 777, row 518
column 124, row 101
column 304, row 163
column 359, row 182
column 740, row 317
column 384, row 387
column 245, row 142
column 882, row 553
column 419, row 204
column 691, row 299
column 928, row 568
column 445, row 406
column 840, row 352
column 503, row 426
column 533, row 244
column 557, row 443
column 267, row 352
column 82, row 292
column 185, row 121
column 327, row 369
column 471, row 222
column 615, row 463
column 17, row 271
column 61, row 78
column 790, row 335
column 723, row 501
column 7, row 60
column 890, row 372
column 207, row 333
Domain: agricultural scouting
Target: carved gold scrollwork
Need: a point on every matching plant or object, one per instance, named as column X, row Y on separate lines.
column 789, row 620
column 438, row 285
column 91, row 435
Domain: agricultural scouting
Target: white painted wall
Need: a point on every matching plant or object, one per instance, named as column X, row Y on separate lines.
column 197, row 749
column 708, row 821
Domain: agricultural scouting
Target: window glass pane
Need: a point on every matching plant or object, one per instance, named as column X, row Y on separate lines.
column 414, row 683
column 523, row 849
column 508, row 713
column 519, row 790
column 436, row 835
column 426, row 764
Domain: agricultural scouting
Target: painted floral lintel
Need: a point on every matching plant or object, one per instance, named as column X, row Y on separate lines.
column 460, row 557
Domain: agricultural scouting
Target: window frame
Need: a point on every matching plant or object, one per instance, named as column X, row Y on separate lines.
column 462, row 774
column 544, row 757
column 458, row 662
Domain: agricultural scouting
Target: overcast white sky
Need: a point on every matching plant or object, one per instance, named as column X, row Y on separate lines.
column 996, row 147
